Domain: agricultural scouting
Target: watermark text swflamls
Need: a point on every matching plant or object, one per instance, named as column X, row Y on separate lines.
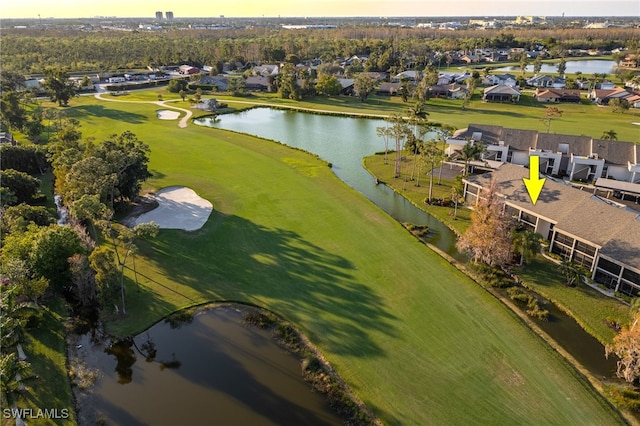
column 36, row 413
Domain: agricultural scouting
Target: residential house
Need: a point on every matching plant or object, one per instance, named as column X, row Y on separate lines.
column 380, row 76
column 448, row 78
column 347, row 86
column 630, row 61
column 188, row 70
column 496, row 56
column 500, row 80
column 452, row 91
column 356, row 59
column 547, row 81
column 501, row 93
column 388, row 89
column 605, row 85
column 604, row 96
column 410, row 75
column 579, row 226
column 472, row 58
column 557, row 95
column 266, row 70
column 256, row 84
column 578, row 157
column 219, row 81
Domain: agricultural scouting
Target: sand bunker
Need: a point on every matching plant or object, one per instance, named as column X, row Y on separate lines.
column 165, row 114
column 179, row 208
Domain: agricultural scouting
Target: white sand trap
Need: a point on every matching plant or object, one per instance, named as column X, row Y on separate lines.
column 179, row 208
column 165, row 114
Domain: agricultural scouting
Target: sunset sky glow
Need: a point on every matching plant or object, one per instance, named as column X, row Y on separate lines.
column 317, row 8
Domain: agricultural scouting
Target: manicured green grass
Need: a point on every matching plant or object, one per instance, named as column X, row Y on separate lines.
column 416, row 340
column 588, row 306
column 581, row 119
column 417, row 194
column 44, row 346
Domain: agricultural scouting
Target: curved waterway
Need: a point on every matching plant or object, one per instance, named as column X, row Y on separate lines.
column 212, row 370
column 344, row 142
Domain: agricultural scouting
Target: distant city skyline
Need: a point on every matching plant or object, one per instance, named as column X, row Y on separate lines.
column 317, row 8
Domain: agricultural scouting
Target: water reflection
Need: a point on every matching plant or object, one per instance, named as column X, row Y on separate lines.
column 344, row 142
column 214, row 370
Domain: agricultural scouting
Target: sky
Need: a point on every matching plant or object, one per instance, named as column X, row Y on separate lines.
column 315, row 8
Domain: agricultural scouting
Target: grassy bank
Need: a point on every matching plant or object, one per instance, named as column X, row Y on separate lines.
column 418, row 341
column 588, row 306
column 578, row 119
column 48, row 387
column 375, row 164
column 414, row 338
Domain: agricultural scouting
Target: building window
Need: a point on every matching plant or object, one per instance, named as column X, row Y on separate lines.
column 628, row 289
column 632, row 277
column 585, row 248
column 561, row 250
column 608, row 280
column 512, row 211
column 563, row 239
column 610, row 267
column 529, row 218
column 582, row 259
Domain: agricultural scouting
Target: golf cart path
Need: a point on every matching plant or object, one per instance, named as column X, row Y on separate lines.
column 183, row 121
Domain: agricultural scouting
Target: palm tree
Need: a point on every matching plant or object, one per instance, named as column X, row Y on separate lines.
column 471, row 151
column 433, row 154
column 399, row 131
column 525, row 243
column 457, row 194
column 417, row 117
column 443, row 135
column 572, row 276
column 610, row 135
column 384, row 132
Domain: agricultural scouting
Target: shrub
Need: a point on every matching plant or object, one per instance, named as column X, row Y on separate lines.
column 539, row 313
column 179, row 319
column 259, row 319
column 623, row 397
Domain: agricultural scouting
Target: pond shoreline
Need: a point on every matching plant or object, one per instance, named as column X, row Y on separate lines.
column 316, row 371
column 596, row 383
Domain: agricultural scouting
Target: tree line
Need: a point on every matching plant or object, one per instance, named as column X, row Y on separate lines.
column 31, row 51
column 42, row 259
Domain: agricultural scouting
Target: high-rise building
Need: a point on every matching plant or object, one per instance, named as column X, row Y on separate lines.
column 169, row 16
column 159, row 15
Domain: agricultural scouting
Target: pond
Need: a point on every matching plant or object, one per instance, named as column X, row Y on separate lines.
column 585, row 67
column 211, row 370
column 344, row 142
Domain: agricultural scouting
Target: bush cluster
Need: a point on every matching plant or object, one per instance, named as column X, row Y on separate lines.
column 532, row 302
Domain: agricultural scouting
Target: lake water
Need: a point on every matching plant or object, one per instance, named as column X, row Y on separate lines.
column 585, row 67
column 214, row 370
column 344, row 142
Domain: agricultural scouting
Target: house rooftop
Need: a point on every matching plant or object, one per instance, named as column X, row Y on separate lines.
column 614, row 152
column 577, row 212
